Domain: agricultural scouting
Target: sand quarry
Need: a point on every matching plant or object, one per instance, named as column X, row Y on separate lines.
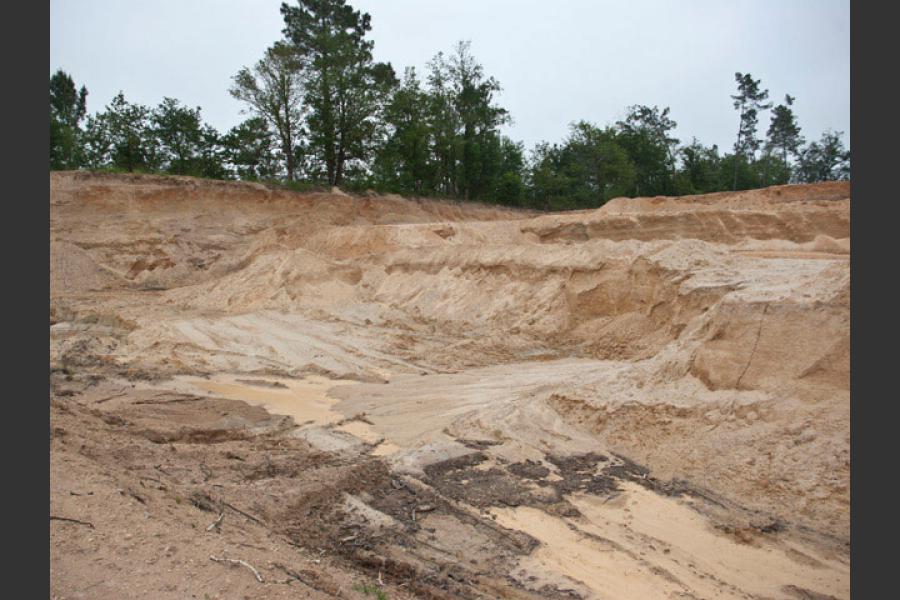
column 257, row 393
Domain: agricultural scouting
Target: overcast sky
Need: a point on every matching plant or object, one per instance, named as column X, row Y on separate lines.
column 557, row 61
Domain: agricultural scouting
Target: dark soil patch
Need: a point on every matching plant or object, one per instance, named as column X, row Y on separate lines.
column 529, row 470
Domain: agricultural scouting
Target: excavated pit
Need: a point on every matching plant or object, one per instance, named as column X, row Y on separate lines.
column 432, row 399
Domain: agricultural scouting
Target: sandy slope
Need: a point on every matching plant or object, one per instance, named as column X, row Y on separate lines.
column 699, row 345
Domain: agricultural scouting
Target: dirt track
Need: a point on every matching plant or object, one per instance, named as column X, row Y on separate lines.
column 650, row 400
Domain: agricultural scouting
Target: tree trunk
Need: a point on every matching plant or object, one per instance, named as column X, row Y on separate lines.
column 290, row 163
column 736, row 154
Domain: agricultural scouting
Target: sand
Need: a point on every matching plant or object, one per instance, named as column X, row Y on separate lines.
column 487, row 358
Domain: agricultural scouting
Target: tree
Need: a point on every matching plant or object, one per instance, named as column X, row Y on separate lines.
column 646, row 136
column 180, row 136
column 444, row 125
column 67, row 109
column 700, row 168
column 599, row 163
column 825, row 160
column 784, row 134
column 273, row 89
column 588, row 169
column 547, row 184
column 97, row 143
column 250, row 150
column 122, row 136
column 509, row 184
column 479, row 118
column 749, row 101
column 404, row 162
column 211, row 157
column 769, row 169
column 345, row 89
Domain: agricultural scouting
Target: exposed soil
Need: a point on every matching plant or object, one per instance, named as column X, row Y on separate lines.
column 263, row 394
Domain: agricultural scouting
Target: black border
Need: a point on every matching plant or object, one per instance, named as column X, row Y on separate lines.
column 874, row 187
column 25, row 47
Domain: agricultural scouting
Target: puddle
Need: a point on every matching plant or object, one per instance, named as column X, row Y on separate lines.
column 566, row 555
column 643, row 545
column 305, row 400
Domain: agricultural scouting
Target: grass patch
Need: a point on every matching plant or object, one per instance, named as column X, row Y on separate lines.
column 369, row 589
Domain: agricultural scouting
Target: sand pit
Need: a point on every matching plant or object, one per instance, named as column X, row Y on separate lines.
column 648, row 400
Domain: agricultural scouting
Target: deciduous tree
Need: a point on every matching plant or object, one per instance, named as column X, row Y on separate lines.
column 67, row 109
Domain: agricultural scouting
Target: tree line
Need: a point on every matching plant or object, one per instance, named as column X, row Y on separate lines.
column 322, row 112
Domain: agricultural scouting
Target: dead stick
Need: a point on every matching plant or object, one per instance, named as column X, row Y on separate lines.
column 236, row 561
column 217, row 522
column 67, row 519
column 102, row 400
column 239, row 511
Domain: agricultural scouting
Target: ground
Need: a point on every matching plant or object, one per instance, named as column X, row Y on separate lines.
column 257, row 393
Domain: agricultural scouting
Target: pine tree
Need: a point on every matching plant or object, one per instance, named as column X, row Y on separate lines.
column 250, row 150
column 345, row 89
column 749, row 101
column 125, row 133
column 404, row 162
column 784, row 134
column 274, row 90
column 179, row 133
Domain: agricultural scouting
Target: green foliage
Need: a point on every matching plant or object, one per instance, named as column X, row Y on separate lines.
column 404, row 163
column 588, row 169
column 345, row 90
column 67, row 109
column 508, row 185
column 179, row 136
column 324, row 112
column 749, row 100
column 123, row 136
column 445, row 139
column 645, row 134
column 250, row 148
column 784, row 137
column 700, row 169
column 478, row 119
column 371, row 590
column 825, row 160
column 212, row 157
column 274, row 91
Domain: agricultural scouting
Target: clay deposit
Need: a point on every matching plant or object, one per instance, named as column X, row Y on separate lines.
column 368, row 395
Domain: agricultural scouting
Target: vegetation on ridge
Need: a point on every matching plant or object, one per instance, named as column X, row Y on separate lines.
column 322, row 111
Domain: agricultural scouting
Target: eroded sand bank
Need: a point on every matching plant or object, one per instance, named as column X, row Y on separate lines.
column 649, row 400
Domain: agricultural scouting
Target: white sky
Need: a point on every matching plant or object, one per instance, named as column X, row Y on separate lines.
column 557, row 61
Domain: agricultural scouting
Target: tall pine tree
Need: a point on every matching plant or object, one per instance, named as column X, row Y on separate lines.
column 749, row 100
column 346, row 90
column 273, row 89
column 784, row 134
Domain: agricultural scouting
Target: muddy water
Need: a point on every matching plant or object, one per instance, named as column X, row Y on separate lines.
column 304, row 400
